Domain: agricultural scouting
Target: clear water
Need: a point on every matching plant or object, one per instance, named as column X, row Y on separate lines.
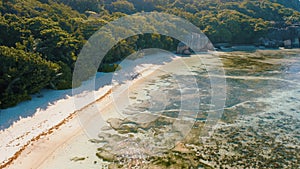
column 259, row 127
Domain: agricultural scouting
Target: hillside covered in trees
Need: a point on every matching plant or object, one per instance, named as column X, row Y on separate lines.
column 41, row 39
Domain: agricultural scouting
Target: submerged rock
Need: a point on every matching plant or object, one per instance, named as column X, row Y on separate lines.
column 105, row 155
column 77, row 159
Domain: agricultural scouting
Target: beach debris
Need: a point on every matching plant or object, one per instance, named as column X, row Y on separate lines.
column 78, row 159
column 135, row 76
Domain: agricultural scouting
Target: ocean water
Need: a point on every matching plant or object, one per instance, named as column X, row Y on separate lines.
column 171, row 111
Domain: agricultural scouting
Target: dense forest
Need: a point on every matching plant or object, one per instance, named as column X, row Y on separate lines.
column 41, row 39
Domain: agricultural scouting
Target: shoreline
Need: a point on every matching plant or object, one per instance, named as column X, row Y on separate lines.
column 18, row 148
column 248, row 47
column 50, row 131
column 16, row 143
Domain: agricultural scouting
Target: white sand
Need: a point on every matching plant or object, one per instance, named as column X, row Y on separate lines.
column 40, row 141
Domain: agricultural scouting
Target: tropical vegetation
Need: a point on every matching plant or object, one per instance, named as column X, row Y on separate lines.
column 40, row 39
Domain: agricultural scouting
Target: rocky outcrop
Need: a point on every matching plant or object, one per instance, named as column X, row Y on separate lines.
column 194, row 43
column 287, row 37
column 183, row 49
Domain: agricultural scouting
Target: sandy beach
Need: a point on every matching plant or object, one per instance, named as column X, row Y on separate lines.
column 56, row 134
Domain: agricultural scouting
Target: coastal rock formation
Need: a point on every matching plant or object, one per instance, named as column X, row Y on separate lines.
column 287, row 37
column 183, row 49
column 194, row 43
